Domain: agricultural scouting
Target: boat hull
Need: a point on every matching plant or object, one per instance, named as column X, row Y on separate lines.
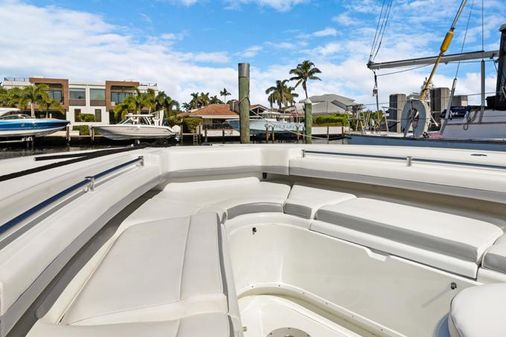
column 30, row 127
column 260, row 126
column 491, row 127
column 370, row 139
column 125, row 132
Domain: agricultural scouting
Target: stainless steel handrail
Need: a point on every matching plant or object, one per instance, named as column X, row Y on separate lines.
column 408, row 159
column 88, row 184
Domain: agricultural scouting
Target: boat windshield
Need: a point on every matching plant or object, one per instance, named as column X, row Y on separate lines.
column 16, row 116
column 137, row 120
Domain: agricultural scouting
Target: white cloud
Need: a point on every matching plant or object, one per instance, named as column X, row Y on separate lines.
column 328, row 49
column 281, row 45
column 168, row 36
column 63, row 43
column 280, row 5
column 213, row 57
column 345, row 19
column 325, row 32
column 84, row 46
column 182, row 2
column 251, row 51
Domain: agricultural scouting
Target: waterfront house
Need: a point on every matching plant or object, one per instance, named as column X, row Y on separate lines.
column 96, row 101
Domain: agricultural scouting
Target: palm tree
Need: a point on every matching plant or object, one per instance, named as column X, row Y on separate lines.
column 225, row 93
column 147, row 99
column 15, row 98
column 281, row 94
column 48, row 103
column 166, row 103
column 35, row 94
column 291, row 95
column 4, row 97
column 305, row 71
column 204, row 99
column 194, row 103
column 186, row 106
column 215, row 100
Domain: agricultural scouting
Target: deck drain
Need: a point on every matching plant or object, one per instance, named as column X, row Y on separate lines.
column 288, row 332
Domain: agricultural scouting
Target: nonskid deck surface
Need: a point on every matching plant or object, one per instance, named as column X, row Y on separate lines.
column 230, row 251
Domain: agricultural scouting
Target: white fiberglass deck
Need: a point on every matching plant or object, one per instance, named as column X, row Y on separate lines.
column 249, row 241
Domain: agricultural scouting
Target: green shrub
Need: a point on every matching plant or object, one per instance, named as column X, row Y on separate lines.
column 87, row 118
column 173, row 120
column 331, row 120
column 84, row 130
column 190, row 124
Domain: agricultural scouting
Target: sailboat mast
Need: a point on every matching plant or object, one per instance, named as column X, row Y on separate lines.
column 444, row 47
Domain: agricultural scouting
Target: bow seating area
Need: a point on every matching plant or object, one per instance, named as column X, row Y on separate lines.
column 173, row 257
column 217, row 241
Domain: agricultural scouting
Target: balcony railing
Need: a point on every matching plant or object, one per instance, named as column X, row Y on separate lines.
column 97, row 102
column 77, row 102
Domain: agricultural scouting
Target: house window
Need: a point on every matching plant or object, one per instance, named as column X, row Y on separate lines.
column 77, row 115
column 77, row 93
column 97, row 97
column 118, row 97
column 98, row 115
column 77, row 97
column 57, row 95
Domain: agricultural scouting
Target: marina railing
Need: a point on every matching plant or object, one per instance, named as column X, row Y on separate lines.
column 408, row 159
column 83, row 186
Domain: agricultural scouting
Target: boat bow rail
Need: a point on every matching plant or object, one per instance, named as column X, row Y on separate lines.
column 83, row 186
column 39, row 241
column 227, row 180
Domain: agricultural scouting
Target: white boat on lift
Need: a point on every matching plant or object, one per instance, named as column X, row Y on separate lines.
column 269, row 121
column 139, row 126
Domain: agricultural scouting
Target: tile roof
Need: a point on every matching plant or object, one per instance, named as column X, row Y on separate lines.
column 213, row 110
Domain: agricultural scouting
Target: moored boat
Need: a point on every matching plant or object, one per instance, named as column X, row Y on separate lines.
column 14, row 124
column 138, row 126
column 269, row 122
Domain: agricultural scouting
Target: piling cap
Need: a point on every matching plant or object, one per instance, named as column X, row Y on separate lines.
column 307, row 101
column 244, row 70
column 503, row 28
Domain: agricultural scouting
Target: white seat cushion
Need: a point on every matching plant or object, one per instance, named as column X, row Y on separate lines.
column 416, row 229
column 495, row 257
column 155, row 271
column 204, row 325
column 479, row 312
column 231, row 196
column 304, row 201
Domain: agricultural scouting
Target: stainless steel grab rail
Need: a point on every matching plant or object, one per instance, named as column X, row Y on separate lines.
column 88, row 184
column 408, row 159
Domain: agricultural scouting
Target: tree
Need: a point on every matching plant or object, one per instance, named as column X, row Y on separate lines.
column 224, row 93
column 204, row 99
column 49, row 104
column 34, row 94
column 165, row 103
column 194, row 103
column 305, row 71
column 215, row 100
column 147, row 99
column 281, row 93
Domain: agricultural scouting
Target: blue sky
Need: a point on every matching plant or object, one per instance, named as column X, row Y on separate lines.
column 195, row 45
